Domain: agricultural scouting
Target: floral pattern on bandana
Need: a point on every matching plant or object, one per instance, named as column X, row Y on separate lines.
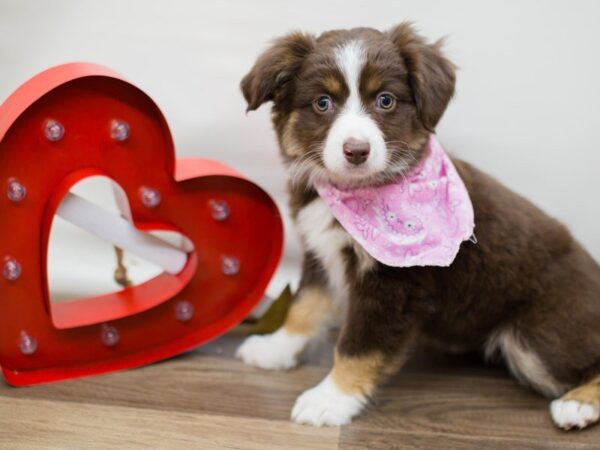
column 417, row 220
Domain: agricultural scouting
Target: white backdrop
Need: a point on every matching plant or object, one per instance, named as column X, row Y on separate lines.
column 525, row 110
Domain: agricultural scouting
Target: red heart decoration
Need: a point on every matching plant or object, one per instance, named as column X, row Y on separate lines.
column 80, row 104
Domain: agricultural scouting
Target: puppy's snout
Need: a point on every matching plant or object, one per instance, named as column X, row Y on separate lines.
column 355, row 151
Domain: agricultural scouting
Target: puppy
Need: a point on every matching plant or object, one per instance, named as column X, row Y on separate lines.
column 357, row 109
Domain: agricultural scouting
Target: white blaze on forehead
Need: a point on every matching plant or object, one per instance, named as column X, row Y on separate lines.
column 353, row 122
column 351, row 59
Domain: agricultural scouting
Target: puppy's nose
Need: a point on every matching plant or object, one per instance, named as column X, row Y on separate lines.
column 355, row 151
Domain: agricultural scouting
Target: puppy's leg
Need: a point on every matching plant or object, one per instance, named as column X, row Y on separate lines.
column 373, row 344
column 280, row 350
column 524, row 361
column 579, row 407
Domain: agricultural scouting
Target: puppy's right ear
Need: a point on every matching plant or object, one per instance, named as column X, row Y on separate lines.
column 275, row 68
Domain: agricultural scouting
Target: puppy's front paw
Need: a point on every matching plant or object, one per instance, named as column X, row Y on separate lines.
column 277, row 351
column 326, row 405
column 569, row 414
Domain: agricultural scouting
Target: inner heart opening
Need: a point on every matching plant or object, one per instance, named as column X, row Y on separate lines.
column 94, row 251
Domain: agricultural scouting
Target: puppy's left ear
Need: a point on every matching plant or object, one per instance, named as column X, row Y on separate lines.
column 431, row 75
column 272, row 74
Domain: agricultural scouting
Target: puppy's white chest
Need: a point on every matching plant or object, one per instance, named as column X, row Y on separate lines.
column 326, row 241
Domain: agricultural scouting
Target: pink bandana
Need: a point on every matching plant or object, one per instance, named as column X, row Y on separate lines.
column 417, row 220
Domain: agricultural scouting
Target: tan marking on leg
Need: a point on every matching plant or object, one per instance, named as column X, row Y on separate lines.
column 288, row 140
column 586, row 393
column 360, row 375
column 578, row 408
column 312, row 307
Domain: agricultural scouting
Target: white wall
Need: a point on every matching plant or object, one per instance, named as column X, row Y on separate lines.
column 528, row 88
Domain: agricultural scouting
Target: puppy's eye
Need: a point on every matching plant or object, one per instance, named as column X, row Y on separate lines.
column 385, row 101
column 323, row 104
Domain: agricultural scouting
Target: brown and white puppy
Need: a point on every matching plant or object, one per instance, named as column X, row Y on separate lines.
column 355, row 107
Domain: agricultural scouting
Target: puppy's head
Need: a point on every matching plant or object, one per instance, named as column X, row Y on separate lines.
column 352, row 107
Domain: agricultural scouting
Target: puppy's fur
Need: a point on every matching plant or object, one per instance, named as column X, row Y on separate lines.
column 526, row 290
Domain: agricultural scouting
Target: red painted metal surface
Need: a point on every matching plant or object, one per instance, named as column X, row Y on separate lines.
column 85, row 99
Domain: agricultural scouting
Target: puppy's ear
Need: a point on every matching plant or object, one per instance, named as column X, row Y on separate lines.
column 275, row 68
column 430, row 73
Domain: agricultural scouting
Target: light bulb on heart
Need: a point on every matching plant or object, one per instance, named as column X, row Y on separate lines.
column 81, row 120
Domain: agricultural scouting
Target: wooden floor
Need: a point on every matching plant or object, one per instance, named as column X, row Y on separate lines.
column 206, row 399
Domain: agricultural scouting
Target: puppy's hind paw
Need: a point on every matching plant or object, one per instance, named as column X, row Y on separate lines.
column 569, row 414
column 326, row 405
column 277, row 351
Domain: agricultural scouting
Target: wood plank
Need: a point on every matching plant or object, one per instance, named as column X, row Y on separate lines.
column 359, row 439
column 206, row 380
column 45, row 424
column 463, row 409
column 436, row 401
column 191, row 384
